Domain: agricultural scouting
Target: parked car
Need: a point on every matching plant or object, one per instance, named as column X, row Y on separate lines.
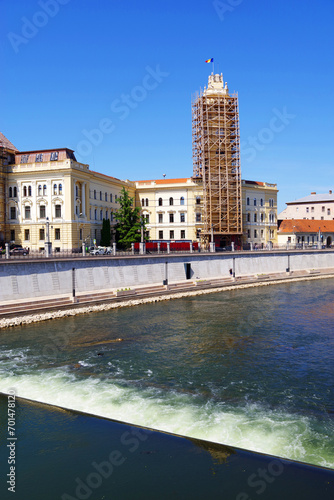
column 98, row 251
column 19, row 251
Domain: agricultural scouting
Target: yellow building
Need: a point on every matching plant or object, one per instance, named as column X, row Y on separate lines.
column 48, row 190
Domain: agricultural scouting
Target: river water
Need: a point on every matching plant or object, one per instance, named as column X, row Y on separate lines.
column 252, row 368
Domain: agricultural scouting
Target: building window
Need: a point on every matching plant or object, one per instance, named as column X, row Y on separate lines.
column 171, row 235
column 248, row 201
column 95, row 214
column 60, row 189
column 42, row 211
column 10, row 192
column 57, row 233
column 182, row 217
column 101, row 215
column 39, row 157
column 255, row 217
column 95, row 234
column 272, row 233
column 160, row 202
column 12, row 235
column 271, row 203
column 39, row 190
column 183, row 234
column 44, row 190
column 111, row 217
column 248, row 233
column 171, row 201
column 110, row 197
column 105, row 196
column 106, row 214
column 13, row 212
column 80, row 234
column 27, row 214
column 171, row 218
column 147, row 218
column 160, row 218
column 142, row 202
column 262, row 217
column 55, row 189
column 100, row 195
column 24, row 190
column 26, row 235
column 261, row 233
column 24, row 158
column 328, row 211
column 322, row 209
column 146, row 202
column 255, row 233
column 261, row 202
column 94, row 194
column 41, row 234
column 198, row 200
column 116, row 198
column 322, row 218
column 182, row 200
column 161, row 235
column 198, row 217
column 312, row 209
column 54, row 156
column 58, row 211
column 254, row 202
column 248, row 217
column 15, row 192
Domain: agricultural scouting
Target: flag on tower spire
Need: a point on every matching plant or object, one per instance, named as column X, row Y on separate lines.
column 209, row 60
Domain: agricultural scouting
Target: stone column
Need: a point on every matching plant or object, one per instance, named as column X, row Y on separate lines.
column 114, row 248
column 168, row 247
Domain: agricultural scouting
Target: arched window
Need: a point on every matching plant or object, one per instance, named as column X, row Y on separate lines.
column 182, row 200
column 160, row 202
column 55, row 189
column 95, row 214
column 254, row 202
column 142, row 202
column 101, row 195
column 29, row 190
column 44, row 190
column 94, row 194
column 24, row 190
column 198, row 200
column 248, row 201
column 39, row 190
column 76, row 191
column 15, row 192
column 10, row 192
column 60, row 189
column 101, row 214
column 146, row 202
column 255, row 218
column 261, row 202
column 106, row 214
column 262, row 217
column 171, row 201
column 248, row 217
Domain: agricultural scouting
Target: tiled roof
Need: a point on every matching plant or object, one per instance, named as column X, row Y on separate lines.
column 165, row 181
column 5, row 143
column 313, row 198
column 254, row 182
column 306, row 226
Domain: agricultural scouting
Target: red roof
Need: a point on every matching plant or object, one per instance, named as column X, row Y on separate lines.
column 254, row 182
column 165, row 181
column 306, row 226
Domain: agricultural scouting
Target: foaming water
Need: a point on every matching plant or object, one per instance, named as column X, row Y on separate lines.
column 252, row 369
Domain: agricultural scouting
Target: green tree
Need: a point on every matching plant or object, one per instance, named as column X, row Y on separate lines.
column 105, row 233
column 128, row 228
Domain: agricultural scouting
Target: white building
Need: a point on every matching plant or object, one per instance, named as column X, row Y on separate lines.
column 312, row 207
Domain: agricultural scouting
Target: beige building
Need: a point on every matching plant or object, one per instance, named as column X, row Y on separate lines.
column 312, row 207
column 259, row 213
column 305, row 233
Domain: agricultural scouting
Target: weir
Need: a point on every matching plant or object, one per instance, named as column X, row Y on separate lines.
column 77, row 455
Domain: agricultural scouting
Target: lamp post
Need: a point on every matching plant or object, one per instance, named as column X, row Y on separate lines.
column 47, row 244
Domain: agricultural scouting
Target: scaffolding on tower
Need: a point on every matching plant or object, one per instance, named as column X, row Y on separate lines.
column 216, row 160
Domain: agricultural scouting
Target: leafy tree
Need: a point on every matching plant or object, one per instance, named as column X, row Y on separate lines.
column 105, row 233
column 128, row 228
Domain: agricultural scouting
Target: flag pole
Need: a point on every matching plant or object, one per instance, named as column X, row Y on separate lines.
column 213, row 66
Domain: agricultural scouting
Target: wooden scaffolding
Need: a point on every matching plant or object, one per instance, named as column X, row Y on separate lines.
column 216, row 159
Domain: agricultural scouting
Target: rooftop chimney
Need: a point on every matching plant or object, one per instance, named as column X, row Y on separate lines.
column 313, row 193
column 330, row 191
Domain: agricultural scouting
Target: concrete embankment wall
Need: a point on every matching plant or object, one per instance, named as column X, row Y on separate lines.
column 33, row 279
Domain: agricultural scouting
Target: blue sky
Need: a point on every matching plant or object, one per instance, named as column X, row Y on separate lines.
column 114, row 79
